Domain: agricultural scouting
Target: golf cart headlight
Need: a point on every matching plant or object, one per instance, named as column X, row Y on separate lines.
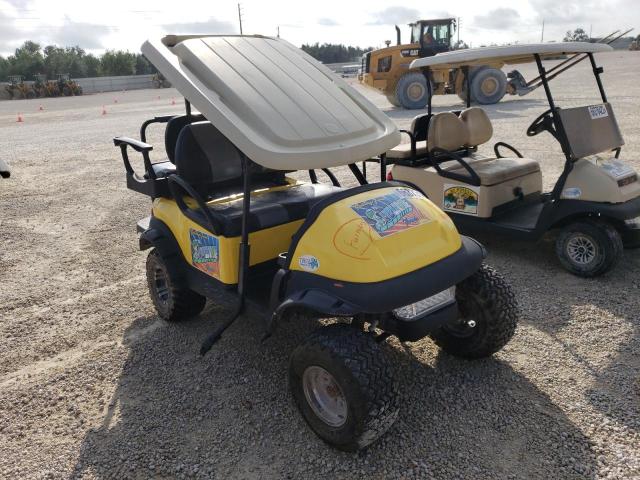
column 426, row 305
column 633, row 222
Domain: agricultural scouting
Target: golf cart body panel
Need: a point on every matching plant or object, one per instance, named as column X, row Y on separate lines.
column 275, row 103
column 510, row 54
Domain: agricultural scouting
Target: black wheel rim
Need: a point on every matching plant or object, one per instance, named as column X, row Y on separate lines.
column 161, row 285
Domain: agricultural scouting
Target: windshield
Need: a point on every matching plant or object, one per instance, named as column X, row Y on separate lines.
column 436, row 34
column 415, row 33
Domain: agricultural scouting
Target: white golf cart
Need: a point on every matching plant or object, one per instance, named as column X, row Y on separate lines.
column 595, row 203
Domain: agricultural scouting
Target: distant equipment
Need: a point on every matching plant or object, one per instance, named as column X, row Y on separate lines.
column 387, row 69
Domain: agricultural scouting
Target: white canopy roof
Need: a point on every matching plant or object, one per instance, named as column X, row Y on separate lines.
column 278, row 105
column 508, row 54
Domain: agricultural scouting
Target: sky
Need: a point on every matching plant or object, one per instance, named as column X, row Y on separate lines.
column 125, row 24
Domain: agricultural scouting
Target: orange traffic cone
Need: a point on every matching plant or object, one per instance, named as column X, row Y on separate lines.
column 104, row 110
column 41, row 108
column 20, row 120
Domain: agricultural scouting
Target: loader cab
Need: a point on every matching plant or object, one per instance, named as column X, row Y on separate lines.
column 434, row 36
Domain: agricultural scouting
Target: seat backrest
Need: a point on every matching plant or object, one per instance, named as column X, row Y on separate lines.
column 446, row 131
column 478, row 125
column 208, row 161
column 173, row 129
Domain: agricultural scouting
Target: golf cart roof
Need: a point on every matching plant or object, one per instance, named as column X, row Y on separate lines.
column 508, row 54
column 278, row 105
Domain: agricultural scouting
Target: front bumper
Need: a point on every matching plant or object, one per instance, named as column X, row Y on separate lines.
column 338, row 298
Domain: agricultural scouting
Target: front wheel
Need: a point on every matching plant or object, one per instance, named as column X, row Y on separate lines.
column 488, row 316
column 411, row 91
column 343, row 386
column 589, row 248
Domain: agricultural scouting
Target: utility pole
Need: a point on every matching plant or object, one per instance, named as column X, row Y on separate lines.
column 458, row 32
column 542, row 36
column 590, row 31
column 240, row 18
column 278, row 31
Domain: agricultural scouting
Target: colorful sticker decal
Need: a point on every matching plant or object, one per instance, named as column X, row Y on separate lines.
column 392, row 212
column 309, row 263
column 598, row 111
column 460, row 199
column 205, row 252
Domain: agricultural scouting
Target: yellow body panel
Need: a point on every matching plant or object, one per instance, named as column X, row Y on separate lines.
column 266, row 244
column 376, row 235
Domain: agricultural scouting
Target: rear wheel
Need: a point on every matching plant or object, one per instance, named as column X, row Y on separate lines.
column 589, row 248
column 343, row 386
column 411, row 91
column 488, row 86
column 488, row 316
column 174, row 301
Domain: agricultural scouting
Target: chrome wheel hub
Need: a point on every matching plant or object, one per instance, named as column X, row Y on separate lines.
column 581, row 249
column 324, row 396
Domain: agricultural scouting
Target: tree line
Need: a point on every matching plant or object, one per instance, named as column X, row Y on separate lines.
column 31, row 59
column 334, row 53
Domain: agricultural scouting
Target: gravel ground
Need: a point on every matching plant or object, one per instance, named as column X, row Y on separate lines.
column 94, row 385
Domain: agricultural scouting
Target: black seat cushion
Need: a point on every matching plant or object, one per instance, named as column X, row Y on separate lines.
column 210, row 163
column 269, row 209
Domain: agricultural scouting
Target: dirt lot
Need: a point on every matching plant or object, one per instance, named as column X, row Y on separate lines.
column 94, row 385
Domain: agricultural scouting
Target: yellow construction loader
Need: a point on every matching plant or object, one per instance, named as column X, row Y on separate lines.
column 387, row 70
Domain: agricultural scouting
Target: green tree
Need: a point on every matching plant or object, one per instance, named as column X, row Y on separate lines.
column 27, row 60
column 93, row 65
column 333, row 53
column 578, row 35
column 143, row 66
column 4, row 68
column 118, row 62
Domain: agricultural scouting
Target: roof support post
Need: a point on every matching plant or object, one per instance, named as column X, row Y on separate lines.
column 243, row 260
column 596, row 72
column 467, row 79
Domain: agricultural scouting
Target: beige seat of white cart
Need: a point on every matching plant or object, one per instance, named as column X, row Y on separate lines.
column 473, row 128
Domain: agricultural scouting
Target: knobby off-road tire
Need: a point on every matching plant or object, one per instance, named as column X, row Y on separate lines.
column 360, row 391
column 173, row 300
column 486, row 299
column 589, row 248
column 393, row 100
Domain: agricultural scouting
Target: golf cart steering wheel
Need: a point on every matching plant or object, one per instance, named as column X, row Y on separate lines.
column 540, row 124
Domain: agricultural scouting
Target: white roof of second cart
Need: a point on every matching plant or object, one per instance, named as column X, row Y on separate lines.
column 278, row 105
column 507, row 54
